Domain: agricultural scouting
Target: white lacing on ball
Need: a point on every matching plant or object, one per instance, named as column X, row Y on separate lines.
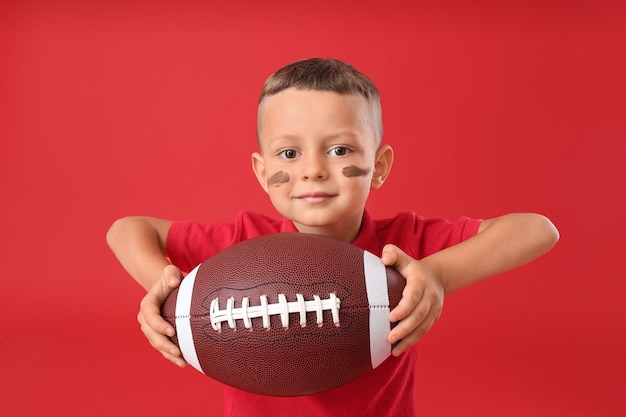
column 246, row 312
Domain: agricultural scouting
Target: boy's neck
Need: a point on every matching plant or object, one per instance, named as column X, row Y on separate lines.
column 344, row 231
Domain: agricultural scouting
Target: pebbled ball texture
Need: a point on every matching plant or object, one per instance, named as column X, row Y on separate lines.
column 284, row 361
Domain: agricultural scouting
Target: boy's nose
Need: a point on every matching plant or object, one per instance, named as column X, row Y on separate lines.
column 313, row 168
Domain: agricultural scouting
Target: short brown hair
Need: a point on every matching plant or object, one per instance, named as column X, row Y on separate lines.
column 324, row 74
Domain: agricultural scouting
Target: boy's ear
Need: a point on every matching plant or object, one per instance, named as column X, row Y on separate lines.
column 258, row 166
column 382, row 166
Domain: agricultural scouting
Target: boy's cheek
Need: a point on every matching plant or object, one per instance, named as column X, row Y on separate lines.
column 355, row 171
column 278, row 178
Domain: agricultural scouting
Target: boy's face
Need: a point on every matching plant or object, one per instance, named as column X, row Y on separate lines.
column 319, row 159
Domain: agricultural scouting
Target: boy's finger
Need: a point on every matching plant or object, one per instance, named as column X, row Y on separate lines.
column 176, row 360
column 171, row 277
column 152, row 319
column 411, row 296
column 394, row 256
column 164, row 345
column 168, row 349
column 158, row 340
column 412, row 338
column 409, row 322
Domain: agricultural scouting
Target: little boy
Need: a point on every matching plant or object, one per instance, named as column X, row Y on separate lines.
column 320, row 153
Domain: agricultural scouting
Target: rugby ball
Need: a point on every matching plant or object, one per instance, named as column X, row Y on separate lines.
column 286, row 314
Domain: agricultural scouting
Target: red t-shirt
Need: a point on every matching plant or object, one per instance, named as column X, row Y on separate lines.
column 386, row 391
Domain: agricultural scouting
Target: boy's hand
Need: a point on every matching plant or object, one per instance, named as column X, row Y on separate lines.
column 422, row 299
column 153, row 326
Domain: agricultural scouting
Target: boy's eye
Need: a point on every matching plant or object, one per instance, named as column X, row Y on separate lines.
column 340, row 151
column 289, row 154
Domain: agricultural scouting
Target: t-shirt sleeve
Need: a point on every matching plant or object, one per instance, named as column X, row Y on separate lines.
column 439, row 234
column 190, row 243
column 420, row 236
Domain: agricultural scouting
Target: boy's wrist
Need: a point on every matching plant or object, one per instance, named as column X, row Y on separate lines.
column 435, row 267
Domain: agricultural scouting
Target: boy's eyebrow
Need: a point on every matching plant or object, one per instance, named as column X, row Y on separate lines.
column 329, row 137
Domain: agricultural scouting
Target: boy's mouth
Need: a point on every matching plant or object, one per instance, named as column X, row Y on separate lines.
column 315, row 197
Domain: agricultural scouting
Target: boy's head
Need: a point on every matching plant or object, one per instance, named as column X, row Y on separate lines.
column 319, row 133
column 320, row 74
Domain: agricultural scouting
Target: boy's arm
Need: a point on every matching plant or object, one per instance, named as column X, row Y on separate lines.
column 139, row 243
column 502, row 244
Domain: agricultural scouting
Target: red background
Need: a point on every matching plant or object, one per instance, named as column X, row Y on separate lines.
column 146, row 108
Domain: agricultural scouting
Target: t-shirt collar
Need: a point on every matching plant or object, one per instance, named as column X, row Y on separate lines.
column 367, row 238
